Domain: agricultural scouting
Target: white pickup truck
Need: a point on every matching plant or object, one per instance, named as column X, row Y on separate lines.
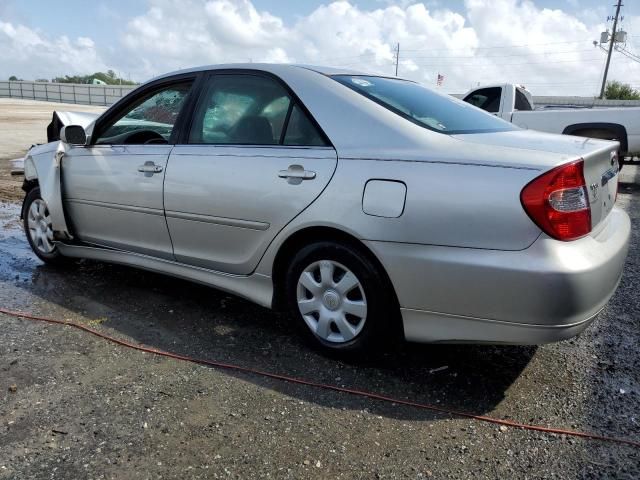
column 515, row 104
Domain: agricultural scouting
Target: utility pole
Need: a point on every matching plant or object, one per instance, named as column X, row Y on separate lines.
column 611, row 42
column 397, row 57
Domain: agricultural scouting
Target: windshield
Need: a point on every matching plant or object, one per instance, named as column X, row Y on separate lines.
column 435, row 111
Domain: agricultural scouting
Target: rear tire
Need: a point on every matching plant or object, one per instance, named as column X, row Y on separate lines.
column 37, row 227
column 341, row 300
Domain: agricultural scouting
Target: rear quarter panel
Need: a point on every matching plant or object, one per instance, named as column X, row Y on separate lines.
column 457, row 205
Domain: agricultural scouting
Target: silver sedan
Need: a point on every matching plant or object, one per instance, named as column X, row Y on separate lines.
column 372, row 208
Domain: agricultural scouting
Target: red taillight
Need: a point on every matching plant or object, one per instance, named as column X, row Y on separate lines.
column 558, row 202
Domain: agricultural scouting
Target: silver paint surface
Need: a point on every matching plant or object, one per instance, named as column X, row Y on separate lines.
column 465, row 260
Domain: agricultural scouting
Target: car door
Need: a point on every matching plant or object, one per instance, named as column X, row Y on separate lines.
column 253, row 160
column 113, row 187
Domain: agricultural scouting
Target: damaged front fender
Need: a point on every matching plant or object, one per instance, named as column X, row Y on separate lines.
column 43, row 164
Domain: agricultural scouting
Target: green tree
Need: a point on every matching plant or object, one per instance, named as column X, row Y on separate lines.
column 105, row 77
column 13, row 78
column 620, row 91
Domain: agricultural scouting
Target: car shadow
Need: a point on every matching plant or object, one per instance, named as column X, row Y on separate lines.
column 198, row 321
column 193, row 320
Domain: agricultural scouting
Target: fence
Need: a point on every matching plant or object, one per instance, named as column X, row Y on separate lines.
column 109, row 94
column 65, row 92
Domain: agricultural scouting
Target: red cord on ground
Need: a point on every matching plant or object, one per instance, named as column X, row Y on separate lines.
column 300, row 381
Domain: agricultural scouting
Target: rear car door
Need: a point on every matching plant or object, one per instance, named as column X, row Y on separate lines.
column 253, row 160
column 112, row 188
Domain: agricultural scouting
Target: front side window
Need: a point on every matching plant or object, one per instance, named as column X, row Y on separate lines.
column 150, row 120
column 427, row 108
column 244, row 109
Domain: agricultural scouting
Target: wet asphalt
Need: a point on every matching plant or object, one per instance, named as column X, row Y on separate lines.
column 74, row 406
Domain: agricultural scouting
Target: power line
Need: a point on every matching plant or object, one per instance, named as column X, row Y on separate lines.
column 504, row 56
column 564, row 83
column 480, row 65
column 628, row 54
column 502, row 64
column 394, row 53
column 411, row 57
column 372, row 54
column 495, row 46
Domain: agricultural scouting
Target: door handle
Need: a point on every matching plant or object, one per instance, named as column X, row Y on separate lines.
column 295, row 174
column 149, row 168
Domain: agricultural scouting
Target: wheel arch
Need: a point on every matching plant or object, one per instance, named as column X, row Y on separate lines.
column 27, row 186
column 313, row 234
column 618, row 130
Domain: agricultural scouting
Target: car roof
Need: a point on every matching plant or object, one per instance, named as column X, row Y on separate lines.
column 267, row 67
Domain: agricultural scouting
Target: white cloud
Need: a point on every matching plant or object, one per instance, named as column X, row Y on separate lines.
column 26, row 53
column 552, row 54
column 558, row 57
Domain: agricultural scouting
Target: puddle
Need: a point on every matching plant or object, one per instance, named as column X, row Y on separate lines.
column 17, row 261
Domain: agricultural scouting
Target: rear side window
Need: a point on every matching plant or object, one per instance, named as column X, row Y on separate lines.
column 521, row 101
column 241, row 109
column 487, row 99
column 301, row 131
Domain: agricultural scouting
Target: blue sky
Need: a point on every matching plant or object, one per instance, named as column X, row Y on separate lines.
column 97, row 19
column 543, row 43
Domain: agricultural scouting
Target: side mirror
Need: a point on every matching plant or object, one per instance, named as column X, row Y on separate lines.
column 73, row 135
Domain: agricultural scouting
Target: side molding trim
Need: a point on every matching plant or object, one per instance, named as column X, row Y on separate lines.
column 230, row 222
column 256, row 287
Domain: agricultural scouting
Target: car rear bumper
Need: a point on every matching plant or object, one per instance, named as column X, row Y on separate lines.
column 547, row 292
column 432, row 327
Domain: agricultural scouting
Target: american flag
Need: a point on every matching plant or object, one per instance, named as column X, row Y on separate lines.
column 440, row 80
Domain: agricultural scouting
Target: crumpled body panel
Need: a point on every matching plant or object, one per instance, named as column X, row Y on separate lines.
column 44, row 161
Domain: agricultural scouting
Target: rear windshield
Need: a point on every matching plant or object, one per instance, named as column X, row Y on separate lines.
column 435, row 111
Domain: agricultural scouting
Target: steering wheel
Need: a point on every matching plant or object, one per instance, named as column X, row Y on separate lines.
column 144, row 137
column 156, row 141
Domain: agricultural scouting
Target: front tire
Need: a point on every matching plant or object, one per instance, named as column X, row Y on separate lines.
column 38, row 228
column 341, row 299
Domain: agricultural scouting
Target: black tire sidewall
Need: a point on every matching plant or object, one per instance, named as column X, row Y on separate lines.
column 380, row 304
column 53, row 257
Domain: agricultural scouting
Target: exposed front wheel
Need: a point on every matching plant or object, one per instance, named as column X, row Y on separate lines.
column 38, row 228
column 341, row 299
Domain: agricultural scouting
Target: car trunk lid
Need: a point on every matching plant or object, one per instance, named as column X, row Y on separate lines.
column 601, row 176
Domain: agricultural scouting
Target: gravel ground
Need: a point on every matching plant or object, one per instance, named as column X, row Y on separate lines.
column 75, row 406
